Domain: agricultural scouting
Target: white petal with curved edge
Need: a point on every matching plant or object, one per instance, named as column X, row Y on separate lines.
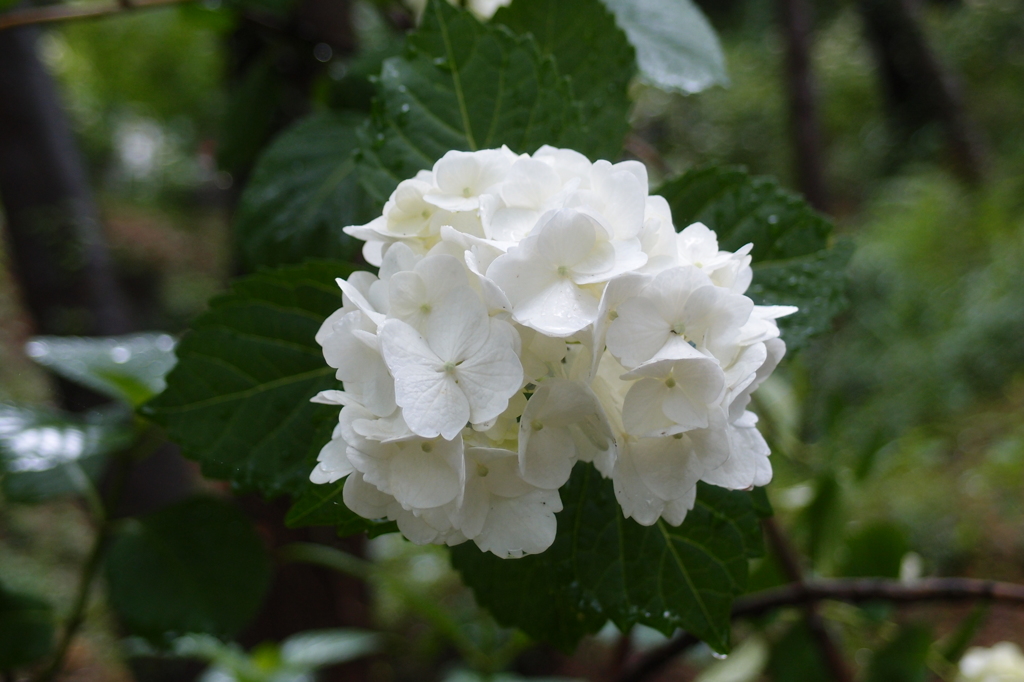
column 520, row 526
column 637, row 333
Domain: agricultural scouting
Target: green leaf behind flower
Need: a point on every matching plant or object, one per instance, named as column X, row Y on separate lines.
column 46, row 454
column 303, row 191
column 197, row 566
column 677, row 49
column 603, row 567
column 128, row 368
column 792, row 260
column 322, row 505
column 460, row 85
column 594, row 53
column 238, row 401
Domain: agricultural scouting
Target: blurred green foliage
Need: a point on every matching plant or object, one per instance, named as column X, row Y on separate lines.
column 902, row 432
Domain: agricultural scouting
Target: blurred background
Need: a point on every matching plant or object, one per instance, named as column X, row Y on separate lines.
column 898, row 441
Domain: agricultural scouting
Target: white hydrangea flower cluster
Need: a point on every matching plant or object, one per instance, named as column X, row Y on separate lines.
column 482, row 9
column 1002, row 662
column 531, row 312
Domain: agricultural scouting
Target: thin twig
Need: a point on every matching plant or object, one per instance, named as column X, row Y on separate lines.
column 851, row 590
column 791, row 568
column 52, row 13
column 91, row 566
column 857, row 590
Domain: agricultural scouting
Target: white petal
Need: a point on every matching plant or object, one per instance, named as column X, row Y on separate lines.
column 431, row 401
column 642, row 410
column 364, row 499
column 675, row 510
column 668, row 466
column 458, row 326
column 519, row 526
column 421, row 474
column 638, row 332
column 490, row 376
column 566, row 237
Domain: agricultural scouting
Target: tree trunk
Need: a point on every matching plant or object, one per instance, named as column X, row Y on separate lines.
column 53, row 236
column 805, row 127
column 918, row 89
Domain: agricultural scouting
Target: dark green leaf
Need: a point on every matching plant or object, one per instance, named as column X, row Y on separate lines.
column 743, row 209
column 603, row 566
column 129, row 368
column 252, row 109
column 823, row 516
column 321, row 505
column 762, row 505
column 815, row 283
column 791, row 259
column 238, row 401
column 197, row 566
column 303, row 191
column 797, row 658
column 26, row 629
column 46, row 454
column 595, row 54
column 875, row 550
column 904, row 658
column 460, row 85
column 676, row 47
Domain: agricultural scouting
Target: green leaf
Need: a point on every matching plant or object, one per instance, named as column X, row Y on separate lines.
column 198, row 566
column 904, row 658
column 797, row 658
column 823, row 517
column 815, row 283
column 322, row 505
column 676, row 47
column 251, row 113
column 875, row 550
column 46, row 454
column 238, row 400
column 792, row 261
column 603, row 566
column 598, row 59
column 128, row 368
column 303, row 191
column 460, row 85
column 26, row 629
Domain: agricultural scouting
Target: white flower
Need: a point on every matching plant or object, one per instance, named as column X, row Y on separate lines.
column 532, row 312
column 502, row 513
column 546, row 277
column 350, row 345
column 672, row 396
column 563, row 422
column 1003, row 662
column 461, row 369
column 680, row 310
column 461, row 177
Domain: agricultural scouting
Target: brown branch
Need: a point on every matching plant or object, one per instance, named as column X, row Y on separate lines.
column 850, row 590
column 790, row 561
column 53, row 13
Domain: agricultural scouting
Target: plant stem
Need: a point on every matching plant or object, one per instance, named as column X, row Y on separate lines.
column 343, row 562
column 92, row 564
